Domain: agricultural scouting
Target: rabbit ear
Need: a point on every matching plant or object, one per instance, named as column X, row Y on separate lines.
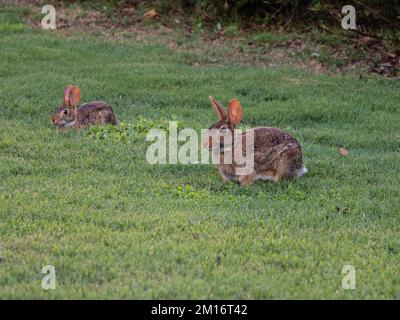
column 219, row 108
column 235, row 112
column 74, row 96
column 67, row 92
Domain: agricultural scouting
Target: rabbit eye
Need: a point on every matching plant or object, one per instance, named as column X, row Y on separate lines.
column 222, row 129
column 65, row 111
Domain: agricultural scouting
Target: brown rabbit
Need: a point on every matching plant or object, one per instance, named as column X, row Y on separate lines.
column 276, row 153
column 91, row 113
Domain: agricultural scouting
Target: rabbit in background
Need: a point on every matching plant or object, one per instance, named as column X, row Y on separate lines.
column 91, row 113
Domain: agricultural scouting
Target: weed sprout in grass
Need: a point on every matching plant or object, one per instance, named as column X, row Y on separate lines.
column 125, row 131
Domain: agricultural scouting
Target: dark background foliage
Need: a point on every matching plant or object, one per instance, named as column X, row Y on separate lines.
column 372, row 14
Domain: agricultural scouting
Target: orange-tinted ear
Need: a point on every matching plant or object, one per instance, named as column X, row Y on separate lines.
column 74, row 96
column 219, row 108
column 235, row 112
column 67, row 91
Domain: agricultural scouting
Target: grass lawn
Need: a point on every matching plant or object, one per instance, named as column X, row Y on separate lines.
column 115, row 226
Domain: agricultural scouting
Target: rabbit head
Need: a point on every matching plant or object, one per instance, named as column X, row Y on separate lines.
column 66, row 115
column 222, row 132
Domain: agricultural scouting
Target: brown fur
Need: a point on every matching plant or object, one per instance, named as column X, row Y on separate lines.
column 95, row 113
column 277, row 154
column 92, row 113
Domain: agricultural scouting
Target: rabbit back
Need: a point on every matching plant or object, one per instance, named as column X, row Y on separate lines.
column 277, row 155
column 96, row 113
